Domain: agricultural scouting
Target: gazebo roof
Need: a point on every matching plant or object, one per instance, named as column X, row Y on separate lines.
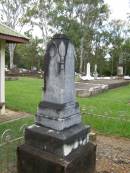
column 11, row 36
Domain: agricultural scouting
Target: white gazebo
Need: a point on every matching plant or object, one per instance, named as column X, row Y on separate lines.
column 7, row 35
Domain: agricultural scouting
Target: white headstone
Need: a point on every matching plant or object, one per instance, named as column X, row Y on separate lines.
column 120, row 70
column 95, row 68
column 95, row 72
column 88, row 73
column 88, row 69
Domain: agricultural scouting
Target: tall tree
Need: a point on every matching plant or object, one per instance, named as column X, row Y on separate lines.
column 80, row 20
column 126, row 56
column 118, row 31
column 38, row 14
column 11, row 13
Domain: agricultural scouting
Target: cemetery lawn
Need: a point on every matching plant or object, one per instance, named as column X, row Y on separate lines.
column 17, row 126
column 107, row 113
column 23, row 94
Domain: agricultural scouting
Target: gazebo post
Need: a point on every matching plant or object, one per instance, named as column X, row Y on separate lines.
column 2, row 77
column 7, row 35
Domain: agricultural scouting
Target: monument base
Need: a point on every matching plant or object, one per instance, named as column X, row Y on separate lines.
column 58, row 116
column 50, row 151
column 33, row 160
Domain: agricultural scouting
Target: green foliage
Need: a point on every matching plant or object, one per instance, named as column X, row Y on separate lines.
column 12, row 11
column 37, row 14
column 11, row 14
column 80, row 20
column 29, row 55
column 85, row 22
column 118, row 39
column 126, row 56
column 7, row 55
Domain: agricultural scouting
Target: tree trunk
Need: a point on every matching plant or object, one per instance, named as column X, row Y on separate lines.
column 11, row 53
column 81, row 56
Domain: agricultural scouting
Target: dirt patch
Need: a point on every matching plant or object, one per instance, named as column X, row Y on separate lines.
column 113, row 154
column 10, row 115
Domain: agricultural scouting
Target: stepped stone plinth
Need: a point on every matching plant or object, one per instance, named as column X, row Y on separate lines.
column 58, row 142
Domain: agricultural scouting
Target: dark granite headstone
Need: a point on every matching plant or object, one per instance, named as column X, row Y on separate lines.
column 58, row 142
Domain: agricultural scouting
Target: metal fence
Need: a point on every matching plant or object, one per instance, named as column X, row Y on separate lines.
column 103, row 123
column 8, row 147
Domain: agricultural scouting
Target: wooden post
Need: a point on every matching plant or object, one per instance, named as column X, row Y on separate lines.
column 2, row 77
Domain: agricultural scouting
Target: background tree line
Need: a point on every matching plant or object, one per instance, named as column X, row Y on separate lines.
column 97, row 40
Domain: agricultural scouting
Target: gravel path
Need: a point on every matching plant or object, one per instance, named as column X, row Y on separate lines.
column 113, row 154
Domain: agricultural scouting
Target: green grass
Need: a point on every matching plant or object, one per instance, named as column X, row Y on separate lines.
column 8, row 150
column 113, row 102
column 108, row 112
column 16, row 126
column 25, row 94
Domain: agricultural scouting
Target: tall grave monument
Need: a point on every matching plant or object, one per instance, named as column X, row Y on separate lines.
column 58, row 142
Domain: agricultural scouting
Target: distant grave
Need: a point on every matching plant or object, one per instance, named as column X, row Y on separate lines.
column 88, row 73
column 94, row 87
